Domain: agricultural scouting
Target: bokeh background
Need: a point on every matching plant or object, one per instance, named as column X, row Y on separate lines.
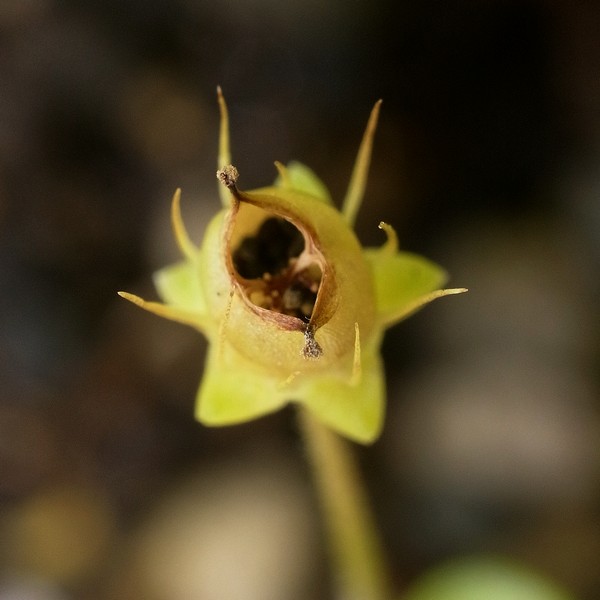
column 487, row 160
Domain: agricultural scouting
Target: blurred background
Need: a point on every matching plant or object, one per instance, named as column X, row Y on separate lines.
column 487, row 160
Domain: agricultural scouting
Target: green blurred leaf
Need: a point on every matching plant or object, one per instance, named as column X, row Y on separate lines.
column 484, row 578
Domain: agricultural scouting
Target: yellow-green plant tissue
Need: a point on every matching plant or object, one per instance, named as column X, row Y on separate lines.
column 293, row 307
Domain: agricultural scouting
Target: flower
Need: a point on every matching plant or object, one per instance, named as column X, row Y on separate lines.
column 293, row 307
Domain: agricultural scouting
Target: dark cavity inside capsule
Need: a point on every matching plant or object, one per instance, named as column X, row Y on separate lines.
column 274, row 272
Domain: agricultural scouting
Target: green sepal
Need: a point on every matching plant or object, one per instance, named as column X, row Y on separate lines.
column 400, row 279
column 301, row 178
column 179, row 285
column 355, row 410
column 233, row 390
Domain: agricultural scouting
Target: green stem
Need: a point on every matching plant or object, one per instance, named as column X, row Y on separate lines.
column 354, row 543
